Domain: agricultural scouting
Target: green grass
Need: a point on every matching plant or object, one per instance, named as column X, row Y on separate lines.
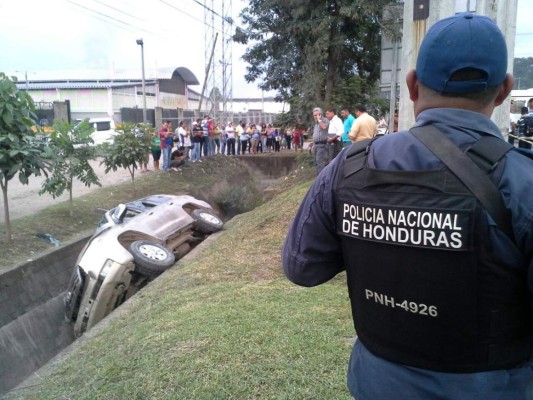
column 56, row 220
column 225, row 325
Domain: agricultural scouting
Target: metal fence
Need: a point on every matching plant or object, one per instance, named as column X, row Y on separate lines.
column 136, row 115
column 44, row 111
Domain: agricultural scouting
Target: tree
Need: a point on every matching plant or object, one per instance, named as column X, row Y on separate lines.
column 307, row 50
column 523, row 73
column 68, row 154
column 19, row 154
column 130, row 148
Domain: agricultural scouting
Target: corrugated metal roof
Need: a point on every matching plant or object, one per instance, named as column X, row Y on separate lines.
column 89, row 75
column 186, row 74
column 81, row 84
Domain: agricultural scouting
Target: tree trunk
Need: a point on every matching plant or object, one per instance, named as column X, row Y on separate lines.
column 132, row 173
column 333, row 64
column 70, row 204
column 7, row 221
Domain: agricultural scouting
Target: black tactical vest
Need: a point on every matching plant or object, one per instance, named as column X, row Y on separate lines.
column 424, row 285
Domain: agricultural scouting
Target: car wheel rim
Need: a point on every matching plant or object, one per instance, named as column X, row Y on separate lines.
column 152, row 252
column 210, row 218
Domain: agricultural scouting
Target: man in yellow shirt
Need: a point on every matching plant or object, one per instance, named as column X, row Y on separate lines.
column 364, row 127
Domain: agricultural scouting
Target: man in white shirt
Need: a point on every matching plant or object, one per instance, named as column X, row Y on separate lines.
column 183, row 138
column 230, row 141
column 335, row 131
column 239, row 130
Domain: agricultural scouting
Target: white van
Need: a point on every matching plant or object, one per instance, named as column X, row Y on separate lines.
column 104, row 130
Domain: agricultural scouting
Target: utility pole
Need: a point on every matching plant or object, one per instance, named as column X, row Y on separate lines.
column 207, row 69
column 419, row 15
column 141, row 43
column 219, row 79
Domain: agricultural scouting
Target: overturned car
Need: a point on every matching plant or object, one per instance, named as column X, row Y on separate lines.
column 133, row 244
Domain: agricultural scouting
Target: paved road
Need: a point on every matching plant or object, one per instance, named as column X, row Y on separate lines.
column 25, row 200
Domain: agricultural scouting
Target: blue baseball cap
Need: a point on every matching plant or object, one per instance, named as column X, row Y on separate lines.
column 462, row 41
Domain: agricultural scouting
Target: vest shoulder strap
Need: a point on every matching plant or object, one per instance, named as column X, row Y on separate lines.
column 468, row 171
column 488, row 151
column 356, row 156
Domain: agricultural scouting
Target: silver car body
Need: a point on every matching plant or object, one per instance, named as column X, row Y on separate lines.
column 102, row 279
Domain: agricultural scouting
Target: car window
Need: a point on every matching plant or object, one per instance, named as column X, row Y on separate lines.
column 130, row 214
column 103, row 126
column 102, row 222
column 148, row 205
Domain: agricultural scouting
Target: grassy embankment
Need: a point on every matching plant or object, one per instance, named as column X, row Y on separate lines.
column 56, row 220
column 225, row 325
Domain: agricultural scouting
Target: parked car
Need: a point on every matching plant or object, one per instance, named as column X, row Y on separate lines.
column 104, row 130
column 133, row 243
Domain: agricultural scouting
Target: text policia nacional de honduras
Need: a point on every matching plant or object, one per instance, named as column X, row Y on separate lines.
column 406, row 226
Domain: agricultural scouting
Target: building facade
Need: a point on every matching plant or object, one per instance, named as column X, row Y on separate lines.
column 168, row 96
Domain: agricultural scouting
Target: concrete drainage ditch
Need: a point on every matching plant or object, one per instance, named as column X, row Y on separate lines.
column 32, row 323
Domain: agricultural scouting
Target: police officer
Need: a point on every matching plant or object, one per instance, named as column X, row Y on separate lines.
column 524, row 128
column 437, row 275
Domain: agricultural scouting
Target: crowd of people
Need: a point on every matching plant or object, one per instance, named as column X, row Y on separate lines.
column 206, row 139
column 331, row 134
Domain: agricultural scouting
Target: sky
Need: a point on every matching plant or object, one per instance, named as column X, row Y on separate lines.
column 524, row 30
column 63, row 35
column 71, row 35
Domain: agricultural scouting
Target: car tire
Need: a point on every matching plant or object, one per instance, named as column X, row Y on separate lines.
column 151, row 259
column 207, row 221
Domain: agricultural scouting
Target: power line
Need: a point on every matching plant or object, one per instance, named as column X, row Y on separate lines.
column 189, row 15
column 122, row 24
column 227, row 19
column 113, row 20
column 119, row 10
column 110, row 19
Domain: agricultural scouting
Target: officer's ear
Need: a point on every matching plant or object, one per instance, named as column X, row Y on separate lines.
column 412, row 85
column 505, row 89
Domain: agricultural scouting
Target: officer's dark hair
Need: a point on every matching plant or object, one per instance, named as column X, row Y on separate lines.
column 524, row 110
column 333, row 110
column 360, row 108
column 345, row 109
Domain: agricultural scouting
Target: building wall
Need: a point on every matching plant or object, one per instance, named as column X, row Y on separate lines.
column 81, row 100
column 267, row 106
column 104, row 102
column 132, row 98
column 173, row 101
